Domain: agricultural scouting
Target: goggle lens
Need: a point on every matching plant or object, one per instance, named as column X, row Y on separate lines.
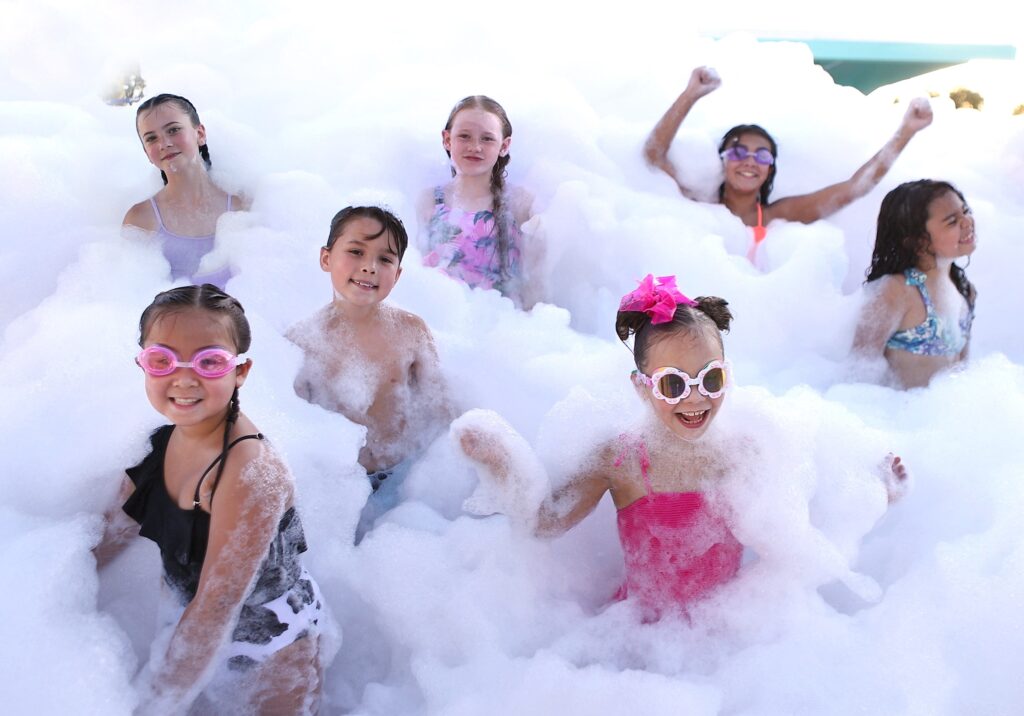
column 738, row 153
column 673, row 385
column 207, row 363
column 713, row 382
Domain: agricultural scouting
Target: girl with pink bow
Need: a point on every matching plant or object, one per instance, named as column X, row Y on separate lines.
column 675, row 534
column 656, row 485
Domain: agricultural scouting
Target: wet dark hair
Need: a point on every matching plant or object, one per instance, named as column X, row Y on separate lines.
column 710, row 311
column 390, row 225
column 733, row 137
column 901, row 236
column 209, row 298
column 185, row 106
column 502, row 218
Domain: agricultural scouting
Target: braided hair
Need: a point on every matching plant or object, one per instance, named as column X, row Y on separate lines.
column 185, row 106
column 733, row 137
column 502, row 216
column 208, row 298
column 902, row 236
column 709, row 311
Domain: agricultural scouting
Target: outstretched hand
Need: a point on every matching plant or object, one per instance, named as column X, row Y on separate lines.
column 895, row 477
column 919, row 114
column 512, row 479
column 703, row 80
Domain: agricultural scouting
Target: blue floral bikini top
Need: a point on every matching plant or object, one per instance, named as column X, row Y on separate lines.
column 931, row 337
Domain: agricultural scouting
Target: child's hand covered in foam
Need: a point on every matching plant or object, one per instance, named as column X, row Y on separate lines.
column 512, row 479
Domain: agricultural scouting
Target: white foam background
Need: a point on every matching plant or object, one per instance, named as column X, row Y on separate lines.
column 846, row 609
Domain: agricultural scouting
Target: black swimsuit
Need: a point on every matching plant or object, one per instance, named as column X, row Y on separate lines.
column 284, row 604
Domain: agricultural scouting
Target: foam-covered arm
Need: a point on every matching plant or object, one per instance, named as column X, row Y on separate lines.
column 512, row 479
column 703, row 80
column 808, row 208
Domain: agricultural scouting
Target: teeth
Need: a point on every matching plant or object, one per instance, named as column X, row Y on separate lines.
column 185, row 401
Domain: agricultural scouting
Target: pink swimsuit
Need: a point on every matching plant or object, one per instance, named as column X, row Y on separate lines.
column 676, row 548
column 466, row 246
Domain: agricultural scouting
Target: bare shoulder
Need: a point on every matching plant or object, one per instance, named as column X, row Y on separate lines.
column 141, row 216
column 406, row 322
column 891, row 291
column 309, row 329
column 254, row 469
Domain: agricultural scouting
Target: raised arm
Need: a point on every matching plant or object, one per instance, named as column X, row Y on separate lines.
column 703, row 80
column 247, row 507
column 808, row 208
column 558, row 512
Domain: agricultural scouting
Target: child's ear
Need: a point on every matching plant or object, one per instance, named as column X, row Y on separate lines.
column 398, row 274
column 446, row 140
column 201, row 131
column 641, row 390
column 325, row 259
column 242, row 372
column 504, row 146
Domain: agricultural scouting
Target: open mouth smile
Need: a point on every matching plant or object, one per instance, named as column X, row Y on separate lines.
column 693, row 419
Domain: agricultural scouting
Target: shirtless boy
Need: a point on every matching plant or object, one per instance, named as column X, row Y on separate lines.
column 373, row 363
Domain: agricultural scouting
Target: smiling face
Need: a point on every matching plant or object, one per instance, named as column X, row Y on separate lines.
column 475, row 141
column 746, row 175
column 689, row 351
column 950, row 228
column 184, row 397
column 169, row 138
column 362, row 261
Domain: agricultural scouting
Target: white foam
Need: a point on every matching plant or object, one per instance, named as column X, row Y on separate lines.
column 849, row 609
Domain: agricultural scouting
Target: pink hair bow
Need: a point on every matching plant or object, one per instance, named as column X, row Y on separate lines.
column 657, row 298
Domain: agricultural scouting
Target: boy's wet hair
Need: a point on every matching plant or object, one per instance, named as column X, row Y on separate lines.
column 901, row 236
column 733, row 137
column 390, row 225
column 710, row 312
column 185, row 106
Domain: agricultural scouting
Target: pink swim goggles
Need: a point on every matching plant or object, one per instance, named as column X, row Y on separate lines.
column 207, row 363
column 673, row 385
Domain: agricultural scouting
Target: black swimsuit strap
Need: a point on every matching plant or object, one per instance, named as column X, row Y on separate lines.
column 195, row 498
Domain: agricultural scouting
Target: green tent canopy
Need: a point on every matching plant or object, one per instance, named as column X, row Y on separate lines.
column 870, row 65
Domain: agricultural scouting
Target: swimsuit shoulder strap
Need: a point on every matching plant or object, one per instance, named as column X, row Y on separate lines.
column 640, row 447
column 760, row 231
column 156, row 212
column 915, row 277
column 195, row 497
column 438, row 194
